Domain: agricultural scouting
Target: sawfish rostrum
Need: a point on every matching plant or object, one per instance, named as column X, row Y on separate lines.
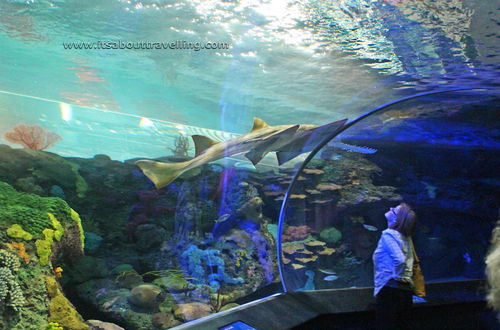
column 288, row 141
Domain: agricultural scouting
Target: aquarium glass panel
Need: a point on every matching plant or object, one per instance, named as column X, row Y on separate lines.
column 147, row 148
column 438, row 153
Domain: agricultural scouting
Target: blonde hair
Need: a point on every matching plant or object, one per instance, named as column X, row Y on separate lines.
column 406, row 220
column 492, row 269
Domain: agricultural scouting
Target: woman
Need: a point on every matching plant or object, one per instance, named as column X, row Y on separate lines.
column 393, row 263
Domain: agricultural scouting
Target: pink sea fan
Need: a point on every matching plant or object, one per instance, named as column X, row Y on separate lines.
column 32, row 137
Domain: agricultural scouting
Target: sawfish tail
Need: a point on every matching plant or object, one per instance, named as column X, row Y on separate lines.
column 161, row 174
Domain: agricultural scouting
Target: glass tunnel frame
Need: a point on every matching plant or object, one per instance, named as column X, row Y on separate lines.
column 342, row 128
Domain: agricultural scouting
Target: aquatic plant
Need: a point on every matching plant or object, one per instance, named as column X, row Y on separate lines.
column 32, row 137
column 165, row 273
column 173, row 280
column 20, row 250
column 128, row 278
column 181, row 146
column 217, row 300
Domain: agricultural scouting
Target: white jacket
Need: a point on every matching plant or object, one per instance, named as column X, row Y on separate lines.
column 392, row 259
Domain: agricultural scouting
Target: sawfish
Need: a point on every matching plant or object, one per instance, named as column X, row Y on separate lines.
column 288, row 141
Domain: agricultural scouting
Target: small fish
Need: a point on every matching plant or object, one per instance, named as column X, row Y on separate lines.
column 467, row 257
column 330, row 278
column 370, row 228
column 223, row 218
column 327, row 271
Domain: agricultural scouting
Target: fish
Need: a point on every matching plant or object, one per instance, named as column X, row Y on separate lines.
column 330, row 278
column 288, row 141
column 223, row 218
column 370, row 228
column 327, row 271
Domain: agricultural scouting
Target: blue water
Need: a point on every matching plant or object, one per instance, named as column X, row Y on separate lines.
column 288, row 61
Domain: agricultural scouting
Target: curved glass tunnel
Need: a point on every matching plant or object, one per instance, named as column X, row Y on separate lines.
column 207, row 241
column 439, row 153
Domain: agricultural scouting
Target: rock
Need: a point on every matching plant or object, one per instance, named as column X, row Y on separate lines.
column 96, row 291
column 252, row 210
column 92, row 242
column 146, row 296
column 172, row 283
column 149, row 236
column 100, row 325
column 121, row 268
column 88, row 268
column 164, row 320
column 191, row 311
column 56, row 191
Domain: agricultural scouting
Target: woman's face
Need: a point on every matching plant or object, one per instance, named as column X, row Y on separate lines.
column 391, row 215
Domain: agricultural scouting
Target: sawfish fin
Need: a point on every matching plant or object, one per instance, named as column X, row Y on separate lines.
column 202, row 143
column 285, row 156
column 161, row 174
column 258, row 124
column 307, row 139
column 255, row 157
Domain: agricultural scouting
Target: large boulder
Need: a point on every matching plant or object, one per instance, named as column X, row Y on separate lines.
column 191, row 311
column 146, row 296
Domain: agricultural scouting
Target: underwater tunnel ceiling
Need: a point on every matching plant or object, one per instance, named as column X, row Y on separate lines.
column 286, row 62
column 404, row 93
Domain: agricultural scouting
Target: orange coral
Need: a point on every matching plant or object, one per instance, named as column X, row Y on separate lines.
column 20, row 249
column 32, row 137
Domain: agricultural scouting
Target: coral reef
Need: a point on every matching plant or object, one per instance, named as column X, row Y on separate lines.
column 32, row 137
column 159, row 257
column 36, row 171
column 199, row 262
column 10, row 291
column 296, row 233
column 16, row 231
column 331, row 235
column 20, row 250
column 61, row 310
column 48, row 235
